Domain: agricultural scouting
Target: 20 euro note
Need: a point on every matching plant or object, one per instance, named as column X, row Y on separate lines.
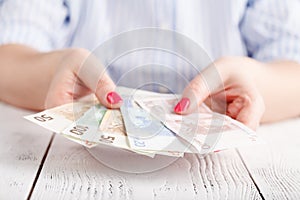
column 147, row 133
column 206, row 130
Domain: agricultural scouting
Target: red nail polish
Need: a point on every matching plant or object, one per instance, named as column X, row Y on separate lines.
column 113, row 98
column 182, row 105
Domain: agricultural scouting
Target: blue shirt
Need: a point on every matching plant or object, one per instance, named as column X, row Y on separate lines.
column 263, row 29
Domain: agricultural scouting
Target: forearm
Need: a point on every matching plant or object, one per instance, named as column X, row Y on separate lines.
column 25, row 75
column 280, row 86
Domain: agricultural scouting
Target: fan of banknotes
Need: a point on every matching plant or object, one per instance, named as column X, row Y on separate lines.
column 145, row 124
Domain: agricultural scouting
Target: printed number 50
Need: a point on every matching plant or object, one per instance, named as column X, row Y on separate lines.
column 43, row 118
column 107, row 139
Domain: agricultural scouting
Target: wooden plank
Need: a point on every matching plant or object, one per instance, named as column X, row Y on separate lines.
column 22, row 147
column 70, row 172
column 275, row 167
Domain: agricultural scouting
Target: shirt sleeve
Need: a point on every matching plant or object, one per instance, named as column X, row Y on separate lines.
column 41, row 24
column 271, row 29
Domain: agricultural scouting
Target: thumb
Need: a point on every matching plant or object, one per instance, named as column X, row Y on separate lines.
column 94, row 76
column 201, row 87
column 106, row 94
column 193, row 95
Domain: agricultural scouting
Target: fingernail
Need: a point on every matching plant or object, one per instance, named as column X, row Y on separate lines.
column 113, row 98
column 182, row 105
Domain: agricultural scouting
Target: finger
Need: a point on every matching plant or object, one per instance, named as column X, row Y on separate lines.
column 80, row 90
column 234, row 108
column 106, row 94
column 203, row 85
column 94, row 75
column 252, row 111
column 217, row 102
column 61, row 89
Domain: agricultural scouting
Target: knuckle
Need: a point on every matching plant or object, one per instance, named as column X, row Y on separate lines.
column 224, row 59
column 75, row 56
column 230, row 66
column 195, row 86
column 77, row 52
column 256, row 101
column 104, row 80
column 104, row 86
column 225, row 62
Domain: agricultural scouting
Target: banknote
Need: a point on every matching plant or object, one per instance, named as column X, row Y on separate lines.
column 113, row 132
column 59, row 118
column 85, row 143
column 89, row 130
column 146, row 125
column 206, row 130
column 146, row 132
column 80, row 123
column 113, row 128
column 85, row 128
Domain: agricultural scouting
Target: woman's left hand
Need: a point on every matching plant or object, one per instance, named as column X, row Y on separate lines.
column 229, row 85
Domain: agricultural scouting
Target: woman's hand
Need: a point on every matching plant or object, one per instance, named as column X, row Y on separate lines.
column 229, row 86
column 79, row 74
column 34, row 80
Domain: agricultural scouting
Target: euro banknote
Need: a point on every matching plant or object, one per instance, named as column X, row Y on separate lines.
column 145, row 124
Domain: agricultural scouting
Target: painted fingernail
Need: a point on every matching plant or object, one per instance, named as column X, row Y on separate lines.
column 182, row 105
column 113, row 98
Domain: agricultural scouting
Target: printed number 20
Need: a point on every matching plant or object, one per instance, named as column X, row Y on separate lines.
column 139, row 143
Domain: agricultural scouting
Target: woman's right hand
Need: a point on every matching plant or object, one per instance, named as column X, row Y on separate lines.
column 78, row 74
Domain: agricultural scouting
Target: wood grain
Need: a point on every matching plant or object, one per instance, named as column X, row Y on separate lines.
column 70, row 172
column 275, row 167
column 22, row 146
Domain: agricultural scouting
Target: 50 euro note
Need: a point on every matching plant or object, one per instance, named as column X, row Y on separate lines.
column 207, row 131
column 59, row 118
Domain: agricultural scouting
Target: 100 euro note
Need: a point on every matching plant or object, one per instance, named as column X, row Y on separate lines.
column 84, row 130
column 207, row 131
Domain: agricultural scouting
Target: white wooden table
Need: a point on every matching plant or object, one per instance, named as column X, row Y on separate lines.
column 36, row 164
